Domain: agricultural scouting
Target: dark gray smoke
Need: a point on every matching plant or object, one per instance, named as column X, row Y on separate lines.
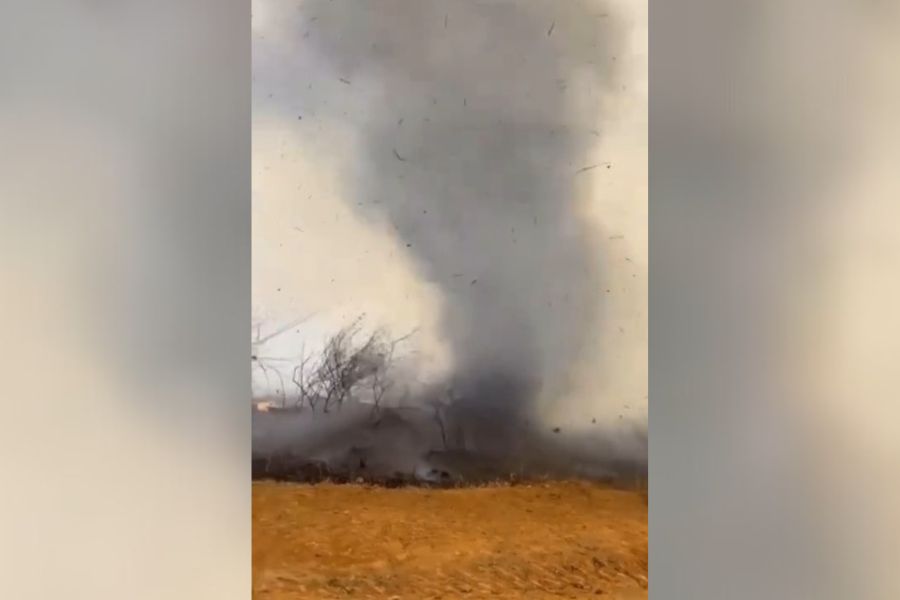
column 471, row 154
column 474, row 131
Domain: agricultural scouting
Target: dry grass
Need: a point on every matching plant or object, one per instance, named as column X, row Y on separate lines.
column 554, row 540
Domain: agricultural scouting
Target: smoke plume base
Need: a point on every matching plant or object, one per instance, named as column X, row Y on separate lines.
column 352, row 416
column 405, row 446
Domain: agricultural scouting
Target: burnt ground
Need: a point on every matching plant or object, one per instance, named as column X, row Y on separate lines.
column 404, row 447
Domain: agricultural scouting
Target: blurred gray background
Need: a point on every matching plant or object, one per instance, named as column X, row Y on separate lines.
column 125, row 278
column 774, row 440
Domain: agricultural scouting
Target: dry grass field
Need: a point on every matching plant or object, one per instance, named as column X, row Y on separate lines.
column 553, row 540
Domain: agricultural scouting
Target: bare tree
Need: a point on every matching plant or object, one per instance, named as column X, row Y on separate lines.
column 382, row 378
column 381, row 385
column 264, row 363
column 305, row 391
column 345, row 366
column 439, row 406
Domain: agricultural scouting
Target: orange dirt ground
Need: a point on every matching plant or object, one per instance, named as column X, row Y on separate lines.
column 553, row 540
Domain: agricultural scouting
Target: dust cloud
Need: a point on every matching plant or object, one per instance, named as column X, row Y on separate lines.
column 481, row 148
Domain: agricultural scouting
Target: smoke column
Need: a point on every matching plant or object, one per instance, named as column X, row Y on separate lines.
column 472, row 124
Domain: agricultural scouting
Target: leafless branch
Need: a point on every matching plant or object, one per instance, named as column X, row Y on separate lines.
column 345, row 367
